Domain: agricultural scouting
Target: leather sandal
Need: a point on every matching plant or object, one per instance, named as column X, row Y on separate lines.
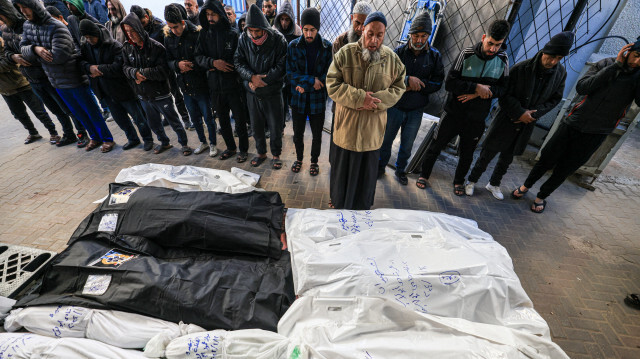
column 107, row 146
column 93, row 144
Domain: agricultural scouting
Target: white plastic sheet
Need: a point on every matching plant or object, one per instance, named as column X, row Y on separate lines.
column 366, row 327
column 77, row 348
column 189, row 178
column 426, row 262
column 121, row 329
column 21, row 345
column 221, row 344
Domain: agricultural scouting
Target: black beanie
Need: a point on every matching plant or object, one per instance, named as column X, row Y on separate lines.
column 310, row 16
column 636, row 45
column 139, row 11
column 559, row 44
column 88, row 27
column 421, row 23
column 53, row 11
column 172, row 14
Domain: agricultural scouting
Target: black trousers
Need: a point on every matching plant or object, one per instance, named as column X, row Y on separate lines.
column 566, row 151
column 16, row 104
column 353, row 178
column 222, row 103
column 266, row 113
column 178, row 98
column 469, row 128
column 316, row 122
column 486, row 155
column 50, row 98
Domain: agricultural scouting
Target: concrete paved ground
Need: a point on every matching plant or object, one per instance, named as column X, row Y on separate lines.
column 577, row 261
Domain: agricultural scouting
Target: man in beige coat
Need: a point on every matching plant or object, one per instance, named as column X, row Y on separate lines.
column 364, row 80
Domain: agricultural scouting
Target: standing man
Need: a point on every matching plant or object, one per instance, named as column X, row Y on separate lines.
column 231, row 15
column 145, row 66
column 181, row 40
column 308, row 60
column 269, row 8
column 241, row 22
column 193, row 11
column 425, row 74
column 116, row 14
column 479, row 74
column 48, row 41
column 285, row 24
column 535, row 87
column 261, row 62
column 33, row 72
column 102, row 62
column 215, row 50
column 359, row 13
column 364, row 79
column 607, row 90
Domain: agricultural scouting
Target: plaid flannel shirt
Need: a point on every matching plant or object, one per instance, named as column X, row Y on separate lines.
column 299, row 75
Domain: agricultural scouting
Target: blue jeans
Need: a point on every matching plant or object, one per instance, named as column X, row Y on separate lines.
column 83, row 104
column 410, row 122
column 54, row 103
column 198, row 105
column 153, row 109
column 120, row 110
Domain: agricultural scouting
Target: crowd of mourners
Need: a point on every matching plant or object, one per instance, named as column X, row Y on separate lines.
column 89, row 62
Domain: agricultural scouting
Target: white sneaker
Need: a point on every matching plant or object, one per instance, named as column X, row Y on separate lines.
column 495, row 191
column 203, row 147
column 213, row 151
column 469, row 187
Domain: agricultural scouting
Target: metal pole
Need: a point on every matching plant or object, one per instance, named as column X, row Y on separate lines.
column 513, row 13
column 575, row 15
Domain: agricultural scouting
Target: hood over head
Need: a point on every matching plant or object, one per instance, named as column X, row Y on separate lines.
column 218, row 8
column 40, row 14
column 10, row 12
column 121, row 12
column 255, row 18
column 285, row 9
column 134, row 21
column 78, row 4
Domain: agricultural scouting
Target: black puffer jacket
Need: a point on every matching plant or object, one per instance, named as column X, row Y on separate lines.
column 150, row 61
column 607, row 90
column 181, row 48
column 531, row 87
column 64, row 71
column 109, row 60
column 12, row 37
column 268, row 59
column 218, row 42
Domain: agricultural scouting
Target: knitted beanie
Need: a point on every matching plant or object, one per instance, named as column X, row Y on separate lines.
column 88, row 27
column 376, row 16
column 421, row 23
column 559, row 44
column 310, row 16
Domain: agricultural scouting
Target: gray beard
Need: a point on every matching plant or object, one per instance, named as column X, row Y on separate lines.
column 370, row 56
column 352, row 36
column 115, row 20
column 413, row 47
column 192, row 14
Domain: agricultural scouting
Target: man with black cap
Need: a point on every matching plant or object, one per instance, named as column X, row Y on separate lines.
column 214, row 52
column 145, row 66
column 181, row 40
column 102, row 62
column 425, row 74
column 606, row 90
column 308, row 60
column 479, row 74
column 33, row 72
column 261, row 62
column 535, row 87
column 364, row 79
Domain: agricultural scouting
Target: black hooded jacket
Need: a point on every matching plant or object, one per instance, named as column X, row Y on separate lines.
column 181, row 48
column 217, row 42
column 606, row 90
column 109, row 60
column 294, row 31
column 12, row 35
column 268, row 59
column 150, row 61
column 64, row 71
